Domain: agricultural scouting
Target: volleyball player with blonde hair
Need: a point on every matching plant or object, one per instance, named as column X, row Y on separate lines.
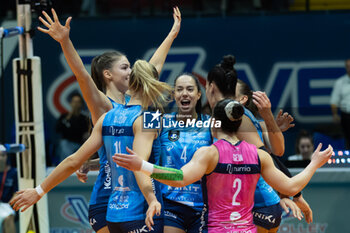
column 115, row 130
column 102, row 91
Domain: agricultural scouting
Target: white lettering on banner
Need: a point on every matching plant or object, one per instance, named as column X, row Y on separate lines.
column 303, row 84
column 70, row 230
column 210, row 123
column 300, row 228
column 290, row 89
column 287, row 72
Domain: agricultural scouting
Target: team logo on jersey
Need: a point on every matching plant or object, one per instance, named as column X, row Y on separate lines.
column 237, row 157
column 121, row 183
column 174, row 135
column 151, row 120
column 121, row 117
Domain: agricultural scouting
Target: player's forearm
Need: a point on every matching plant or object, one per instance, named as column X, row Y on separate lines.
column 161, row 53
column 275, row 136
column 145, row 184
column 169, row 176
column 74, row 61
column 66, row 168
column 94, row 165
column 96, row 102
column 298, row 182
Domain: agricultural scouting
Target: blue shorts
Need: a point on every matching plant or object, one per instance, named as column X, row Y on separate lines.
column 97, row 216
column 136, row 226
column 268, row 217
column 183, row 217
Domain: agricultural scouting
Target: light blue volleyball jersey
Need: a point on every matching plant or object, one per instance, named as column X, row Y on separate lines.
column 255, row 122
column 178, row 144
column 103, row 185
column 126, row 202
column 264, row 194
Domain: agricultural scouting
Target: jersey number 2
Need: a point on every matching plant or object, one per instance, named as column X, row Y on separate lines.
column 237, row 183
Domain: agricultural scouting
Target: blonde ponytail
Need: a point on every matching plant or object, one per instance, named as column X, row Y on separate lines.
column 144, row 79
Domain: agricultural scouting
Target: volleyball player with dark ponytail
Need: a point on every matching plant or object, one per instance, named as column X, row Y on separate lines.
column 183, row 207
column 229, row 170
column 266, row 199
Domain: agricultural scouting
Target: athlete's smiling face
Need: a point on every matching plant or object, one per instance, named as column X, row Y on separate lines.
column 186, row 94
column 119, row 73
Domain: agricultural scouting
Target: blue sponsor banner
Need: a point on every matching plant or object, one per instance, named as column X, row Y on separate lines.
column 295, row 59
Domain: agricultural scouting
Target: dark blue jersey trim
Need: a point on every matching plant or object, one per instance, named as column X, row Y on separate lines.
column 228, row 168
column 117, row 131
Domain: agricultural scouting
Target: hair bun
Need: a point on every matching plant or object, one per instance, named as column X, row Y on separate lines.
column 228, row 62
column 234, row 110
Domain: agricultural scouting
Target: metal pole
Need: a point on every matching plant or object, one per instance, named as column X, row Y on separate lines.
column 307, row 5
column 2, row 83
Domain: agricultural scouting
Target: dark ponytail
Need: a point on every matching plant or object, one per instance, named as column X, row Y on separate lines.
column 225, row 76
column 245, row 90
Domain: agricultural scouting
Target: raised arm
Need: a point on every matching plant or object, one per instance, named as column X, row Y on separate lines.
column 290, row 186
column 275, row 137
column 96, row 101
column 284, row 121
column 28, row 197
column 248, row 132
column 161, row 53
column 203, row 162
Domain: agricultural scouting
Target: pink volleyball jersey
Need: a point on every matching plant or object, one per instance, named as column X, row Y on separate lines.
column 229, row 189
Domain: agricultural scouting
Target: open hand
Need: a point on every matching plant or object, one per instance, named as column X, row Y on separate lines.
column 304, row 207
column 55, row 29
column 82, row 177
column 24, row 198
column 129, row 161
column 177, row 22
column 153, row 208
column 287, row 204
column 262, row 102
column 321, row 157
column 284, row 121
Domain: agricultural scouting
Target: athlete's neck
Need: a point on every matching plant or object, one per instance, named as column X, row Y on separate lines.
column 135, row 99
column 230, row 138
column 216, row 97
column 116, row 95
